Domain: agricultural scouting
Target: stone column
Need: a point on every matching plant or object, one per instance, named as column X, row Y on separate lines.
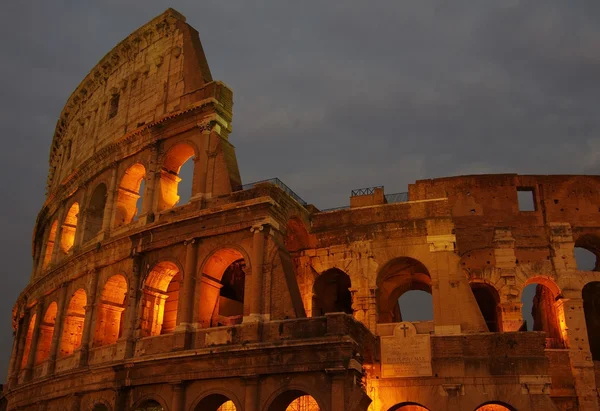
column 81, row 217
column 131, row 315
column 185, row 309
column 58, row 327
column 21, row 338
column 201, row 162
column 152, row 174
column 57, row 242
column 258, row 252
column 511, row 315
column 88, row 328
column 107, row 219
column 178, row 399
column 39, row 312
column 338, row 388
column 251, row 397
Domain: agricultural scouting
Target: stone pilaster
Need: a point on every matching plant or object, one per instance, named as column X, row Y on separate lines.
column 88, row 324
column 185, row 309
column 251, row 397
column 107, row 219
column 58, row 327
column 255, row 303
column 39, row 312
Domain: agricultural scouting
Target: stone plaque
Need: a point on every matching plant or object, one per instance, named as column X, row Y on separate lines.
column 406, row 353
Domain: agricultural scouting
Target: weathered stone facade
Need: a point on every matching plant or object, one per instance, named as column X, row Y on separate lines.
column 249, row 298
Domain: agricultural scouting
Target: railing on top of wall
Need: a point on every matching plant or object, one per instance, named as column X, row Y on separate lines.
column 277, row 182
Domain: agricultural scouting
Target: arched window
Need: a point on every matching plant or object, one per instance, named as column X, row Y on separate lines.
column 50, row 244
column 69, row 228
column 495, row 406
column 539, row 311
column 294, row 400
column 46, row 331
column 170, row 178
column 591, row 308
column 129, row 195
column 402, row 276
column 73, row 324
column 331, row 293
column 95, row 212
column 109, row 320
column 408, row 406
column 488, row 301
column 160, row 299
column 587, row 253
column 149, row 405
column 224, row 279
column 216, row 402
column 28, row 338
column 100, row 407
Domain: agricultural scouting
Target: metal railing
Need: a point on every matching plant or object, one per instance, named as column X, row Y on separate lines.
column 277, row 182
column 396, row 198
column 364, row 191
column 335, row 208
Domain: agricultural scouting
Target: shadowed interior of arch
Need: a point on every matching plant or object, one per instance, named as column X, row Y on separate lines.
column 408, row 406
column 28, row 338
column 129, row 195
column 539, row 313
column 69, row 228
column 149, row 405
column 160, row 299
column 73, row 324
column 100, row 407
column 94, row 213
column 50, row 242
column 294, row 400
column 172, row 173
column 587, row 253
column 331, row 293
column 46, row 331
column 489, row 304
column 591, row 309
column 109, row 319
column 215, row 402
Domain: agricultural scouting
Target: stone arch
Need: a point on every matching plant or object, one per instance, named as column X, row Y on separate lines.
column 50, row 242
column 591, row 309
column 94, row 212
column 172, row 162
column 395, row 278
column 220, row 400
column 99, row 405
column 150, row 403
column 110, row 307
column 223, row 285
column 128, row 194
column 495, row 406
column 297, row 237
column 73, row 323
column 45, row 334
column 488, row 301
column 282, row 399
column 408, row 406
column 69, row 228
column 28, row 338
column 590, row 243
column 160, row 299
column 543, row 311
column 331, row 293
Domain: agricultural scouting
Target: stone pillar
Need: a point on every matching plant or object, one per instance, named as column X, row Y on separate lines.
column 58, row 327
column 152, row 174
column 39, row 312
column 251, row 397
column 255, row 309
column 81, row 217
column 185, row 309
column 571, row 320
column 201, row 164
column 109, row 207
column 131, row 315
column 372, row 310
column 178, row 400
column 338, row 388
column 88, row 328
column 511, row 315
column 57, row 242
column 20, row 339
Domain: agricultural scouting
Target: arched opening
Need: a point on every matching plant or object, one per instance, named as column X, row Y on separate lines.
column 171, row 176
column 109, row 320
column 46, row 330
column 94, row 214
column 50, row 244
column 587, row 253
column 539, row 311
column 28, row 338
column 69, row 228
column 216, row 402
column 224, row 279
column 591, row 308
column 489, row 304
column 294, row 400
column 408, row 406
column 149, row 405
column 73, row 324
column 100, row 407
column 297, row 237
column 397, row 278
column 331, row 293
column 160, row 299
column 129, row 195
column 495, row 406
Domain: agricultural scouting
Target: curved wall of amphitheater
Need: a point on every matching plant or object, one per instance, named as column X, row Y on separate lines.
column 246, row 298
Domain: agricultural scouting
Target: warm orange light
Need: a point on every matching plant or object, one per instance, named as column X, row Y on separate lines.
column 303, row 403
column 128, row 195
column 73, row 324
column 169, row 178
column 28, row 338
column 50, row 244
column 110, row 311
column 69, row 228
column 227, row 406
column 46, row 330
column 160, row 300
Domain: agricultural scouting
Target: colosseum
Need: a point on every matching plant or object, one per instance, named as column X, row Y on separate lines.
column 248, row 298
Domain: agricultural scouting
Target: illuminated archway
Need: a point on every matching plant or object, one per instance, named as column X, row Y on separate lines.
column 69, row 228
column 489, row 304
column 50, row 244
column 109, row 319
column 175, row 158
column 408, row 406
column 160, row 299
column 28, row 338
column 73, row 324
column 46, row 331
column 331, row 293
column 495, row 406
column 149, row 405
column 591, row 308
column 216, row 402
column 396, row 278
column 223, row 282
column 94, row 213
column 294, row 400
column 128, row 195
column 539, row 310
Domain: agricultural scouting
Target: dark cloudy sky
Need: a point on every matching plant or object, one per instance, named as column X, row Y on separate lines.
column 329, row 95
